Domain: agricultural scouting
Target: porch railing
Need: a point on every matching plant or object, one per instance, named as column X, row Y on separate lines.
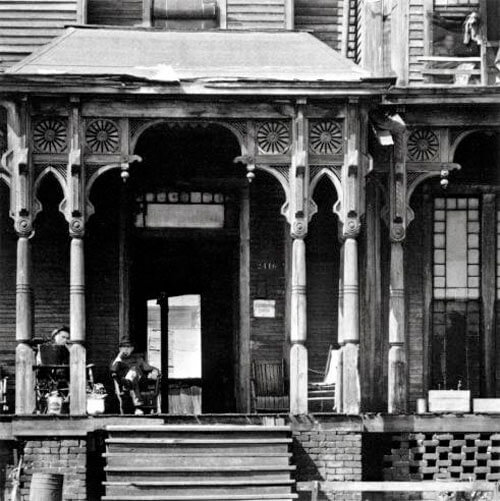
column 462, row 71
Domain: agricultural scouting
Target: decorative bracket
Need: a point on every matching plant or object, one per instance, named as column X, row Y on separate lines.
column 74, row 205
column 397, row 215
column 299, row 178
column 17, row 162
column 349, row 208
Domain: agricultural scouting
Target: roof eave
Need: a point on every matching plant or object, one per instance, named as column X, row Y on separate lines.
column 65, row 84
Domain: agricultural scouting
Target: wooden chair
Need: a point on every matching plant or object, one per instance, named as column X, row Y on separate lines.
column 269, row 387
column 324, row 391
column 150, row 393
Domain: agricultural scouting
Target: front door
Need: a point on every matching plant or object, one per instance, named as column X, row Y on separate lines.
column 187, row 286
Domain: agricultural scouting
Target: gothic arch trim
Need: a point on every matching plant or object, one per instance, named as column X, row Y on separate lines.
column 463, row 135
column 90, row 210
column 48, row 171
column 240, row 137
column 281, row 175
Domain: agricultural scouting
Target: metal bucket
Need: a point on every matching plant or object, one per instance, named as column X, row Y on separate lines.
column 46, row 487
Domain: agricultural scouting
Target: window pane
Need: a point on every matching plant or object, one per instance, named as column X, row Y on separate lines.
column 456, row 248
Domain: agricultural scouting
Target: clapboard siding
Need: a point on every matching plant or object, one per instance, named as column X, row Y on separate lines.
column 26, row 25
column 322, row 17
column 255, row 14
column 114, row 12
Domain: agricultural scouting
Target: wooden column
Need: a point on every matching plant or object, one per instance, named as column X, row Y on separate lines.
column 351, row 207
column 18, row 160
column 298, row 217
column 398, row 210
column 339, row 385
column 78, row 353
column 244, row 300
column 350, row 324
column 298, row 331
column 76, row 218
column 488, row 292
column 397, row 397
column 124, row 267
column 25, row 356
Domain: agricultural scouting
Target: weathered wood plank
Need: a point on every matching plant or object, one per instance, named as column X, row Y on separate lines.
column 488, row 291
column 244, row 303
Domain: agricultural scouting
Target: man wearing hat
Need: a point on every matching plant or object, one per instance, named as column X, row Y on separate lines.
column 133, row 370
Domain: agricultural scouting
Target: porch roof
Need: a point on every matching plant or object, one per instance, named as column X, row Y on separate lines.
column 209, row 59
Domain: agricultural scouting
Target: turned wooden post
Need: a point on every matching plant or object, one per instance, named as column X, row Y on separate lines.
column 397, row 396
column 18, row 159
column 350, row 326
column 339, row 384
column 76, row 207
column 298, row 217
column 298, row 331
column 398, row 210
column 25, row 355
column 78, row 355
column 350, row 211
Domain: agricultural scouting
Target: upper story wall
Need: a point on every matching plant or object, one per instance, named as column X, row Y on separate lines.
column 430, row 42
column 25, row 25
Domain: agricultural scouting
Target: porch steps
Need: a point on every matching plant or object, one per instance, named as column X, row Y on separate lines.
column 205, row 463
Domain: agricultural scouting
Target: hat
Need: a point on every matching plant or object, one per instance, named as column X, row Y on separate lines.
column 55, row 332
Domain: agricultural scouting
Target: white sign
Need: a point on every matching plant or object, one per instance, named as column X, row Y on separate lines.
column 264, row 308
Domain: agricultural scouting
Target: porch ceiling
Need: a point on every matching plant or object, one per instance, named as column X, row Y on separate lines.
column 208, row 59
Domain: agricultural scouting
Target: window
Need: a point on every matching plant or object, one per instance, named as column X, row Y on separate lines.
column 457, row 263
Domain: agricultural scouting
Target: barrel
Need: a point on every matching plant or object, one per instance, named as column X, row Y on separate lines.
column 185, row 9
column 46, row 487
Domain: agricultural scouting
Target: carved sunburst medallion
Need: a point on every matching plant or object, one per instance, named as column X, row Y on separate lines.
column 423, row 145
column 102, row 136
column 325, row 138
column 273, row 138
column 50, row 136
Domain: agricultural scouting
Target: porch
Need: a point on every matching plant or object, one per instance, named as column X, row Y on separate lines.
column 329, row 449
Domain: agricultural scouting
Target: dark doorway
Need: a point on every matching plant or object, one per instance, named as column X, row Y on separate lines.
column 188, row 266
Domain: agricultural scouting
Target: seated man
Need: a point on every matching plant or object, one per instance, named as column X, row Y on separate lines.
column 56, row 351
column 132, row 371
column 52, row 360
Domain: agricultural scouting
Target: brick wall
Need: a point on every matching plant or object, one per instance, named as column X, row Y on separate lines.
column 443, row 456
column 67, row 456
column 328, row 453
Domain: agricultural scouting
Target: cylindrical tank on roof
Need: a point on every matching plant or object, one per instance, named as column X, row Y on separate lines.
column 185, row 9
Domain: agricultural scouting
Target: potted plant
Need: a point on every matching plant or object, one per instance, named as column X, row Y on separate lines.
column 96, row 397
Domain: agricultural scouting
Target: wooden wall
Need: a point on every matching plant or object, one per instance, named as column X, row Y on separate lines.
column 114, row 12
column 7, row 290
column 255, row 14
column 323, row 259
column 267, row 266
column 25, row 25
column 323, row 17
